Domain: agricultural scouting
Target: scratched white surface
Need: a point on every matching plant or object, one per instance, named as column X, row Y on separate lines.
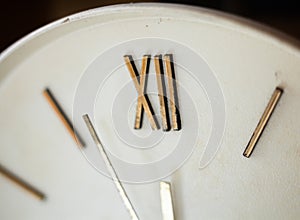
column 248, row 63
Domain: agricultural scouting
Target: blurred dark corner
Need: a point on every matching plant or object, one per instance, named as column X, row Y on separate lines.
column 18, row 18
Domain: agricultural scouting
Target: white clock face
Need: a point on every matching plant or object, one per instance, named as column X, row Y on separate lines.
column 226, row 72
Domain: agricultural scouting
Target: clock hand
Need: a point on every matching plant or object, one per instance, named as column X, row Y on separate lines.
column 166, row 201
column 111, row 169
column 29, row 188
column 63, row 117
column 263, row 122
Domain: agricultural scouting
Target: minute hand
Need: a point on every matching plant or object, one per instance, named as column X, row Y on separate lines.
column 111, row 169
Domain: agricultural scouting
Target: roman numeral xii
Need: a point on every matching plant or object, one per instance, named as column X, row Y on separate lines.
column 164, row 68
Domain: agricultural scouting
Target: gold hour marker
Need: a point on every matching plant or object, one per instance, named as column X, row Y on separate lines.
column 141, row 91
column 140, row 84
column 166, row 201
column 162, row 93
column 110, row 168
column 174, row 104
column 63, row 117
column 263, row 122
column 26, row 186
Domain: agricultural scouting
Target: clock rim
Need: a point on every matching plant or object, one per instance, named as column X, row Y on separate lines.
column 228, row 20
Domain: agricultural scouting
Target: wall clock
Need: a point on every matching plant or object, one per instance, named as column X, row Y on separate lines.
column 196, row 111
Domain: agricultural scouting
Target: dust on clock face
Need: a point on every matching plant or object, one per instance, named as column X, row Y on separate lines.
column 150, row 141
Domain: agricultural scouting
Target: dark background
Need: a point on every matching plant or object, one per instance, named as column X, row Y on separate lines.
column 18, row 18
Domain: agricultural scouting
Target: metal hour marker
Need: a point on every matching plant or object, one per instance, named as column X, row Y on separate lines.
column 263, row 122
column 141, row 91
column 63, row 117
column 174, row 104
column 29, row 188
column 140, row 84
column 111, row 169
column 166, row 201
column 162, row 93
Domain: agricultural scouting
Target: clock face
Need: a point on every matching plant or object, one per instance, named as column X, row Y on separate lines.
column 171, row 98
